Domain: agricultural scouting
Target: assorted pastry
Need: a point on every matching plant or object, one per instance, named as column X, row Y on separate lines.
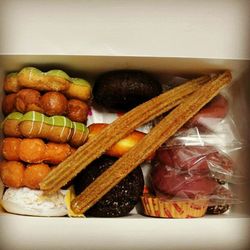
column 52, row 158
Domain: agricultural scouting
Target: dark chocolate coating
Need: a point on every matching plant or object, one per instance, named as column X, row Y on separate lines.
column 121, row 199
column 125, row 89
column 219, row 209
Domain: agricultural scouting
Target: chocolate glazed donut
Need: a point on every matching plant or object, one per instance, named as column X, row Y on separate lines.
column 121, row 199
column 125, row 89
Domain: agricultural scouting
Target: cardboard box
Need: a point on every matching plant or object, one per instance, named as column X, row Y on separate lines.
column 184, row 38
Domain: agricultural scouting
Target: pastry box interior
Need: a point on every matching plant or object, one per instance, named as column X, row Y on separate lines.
column 121, row 146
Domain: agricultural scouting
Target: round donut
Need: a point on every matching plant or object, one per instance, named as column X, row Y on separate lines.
column 211, row 114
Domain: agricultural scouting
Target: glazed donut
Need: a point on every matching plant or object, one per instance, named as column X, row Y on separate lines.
column 26, row 201
column 28, row 100
column 15, row 174
column 36, row 125
column 51, row 103
column 34, row 150
column 77, row 110
column 9, row 104
column 11, row 125
column 53, row 80
column 79, row 89
column 212, row 113
column 11, row 83
column 54, row 103
column 122, row 146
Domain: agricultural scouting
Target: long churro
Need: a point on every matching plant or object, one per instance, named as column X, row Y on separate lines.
column 121, row 127
column 160, row 133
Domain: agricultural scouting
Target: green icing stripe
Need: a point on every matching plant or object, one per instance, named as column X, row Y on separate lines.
column 55, row 120
column 61, row 121
column 14, row 116
column 79, row 126
column 79, row 81
column 54, row 72
column 58, row 72
column 12, row 74
column 33, row 116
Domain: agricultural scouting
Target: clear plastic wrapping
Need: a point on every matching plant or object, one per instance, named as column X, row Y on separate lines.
column 198, row 162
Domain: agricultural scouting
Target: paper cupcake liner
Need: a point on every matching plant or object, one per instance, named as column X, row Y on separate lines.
column 156, row 207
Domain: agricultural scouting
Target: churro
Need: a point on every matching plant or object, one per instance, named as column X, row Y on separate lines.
column 121, row 127
column 156, row 137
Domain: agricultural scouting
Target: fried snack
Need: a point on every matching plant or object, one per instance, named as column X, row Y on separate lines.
column 77, row 110
column 11, row 149
column 79, row 89
column 10, row 125
column 122, row 146
column 36, row 125
column 51, row 103
column 10, row 83
column 32, row 150
column 79, row 134
column 9, row 104
column 34, row 174
column 157, row 136
column 53, row 80
column 54, row 103
column 28, row 100
column 35, row 150
column 12, row 173
column 121, row 127
column 57, row 152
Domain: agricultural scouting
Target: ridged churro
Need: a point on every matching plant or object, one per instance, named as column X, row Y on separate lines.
column 156, row 137
column 121, row 127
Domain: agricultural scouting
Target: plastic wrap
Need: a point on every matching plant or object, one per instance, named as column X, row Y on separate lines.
column 198, row 162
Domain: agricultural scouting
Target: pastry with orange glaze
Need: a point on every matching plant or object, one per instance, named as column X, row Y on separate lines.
column 35, row 150
column 122, row 146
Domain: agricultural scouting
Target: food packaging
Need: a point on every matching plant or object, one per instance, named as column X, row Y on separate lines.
column 158, row 207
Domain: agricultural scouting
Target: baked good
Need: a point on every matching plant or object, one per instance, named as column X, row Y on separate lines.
column 25, row 201
column 124, row 125
column 53, row 80
column 50, row 103
column 153, row 140
column 34, row 150
column 121, row 199
column 211, row 114
column 36, row 125
column 125, row 89
column 122, row 146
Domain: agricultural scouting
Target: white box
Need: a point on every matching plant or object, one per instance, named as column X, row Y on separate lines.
column 163, row 37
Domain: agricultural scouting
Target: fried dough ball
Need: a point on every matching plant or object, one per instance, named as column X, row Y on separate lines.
column 10, row 83
column 34, row 174
column 32, row 150
column 12, row 173
column 9, row 104
column 28, row 100
column 11, row 149
column 56, row 153
column 11, row 128
column 54, row 103
column 77, row 110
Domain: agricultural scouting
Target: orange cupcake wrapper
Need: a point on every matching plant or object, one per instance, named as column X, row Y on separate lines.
column 156, row 207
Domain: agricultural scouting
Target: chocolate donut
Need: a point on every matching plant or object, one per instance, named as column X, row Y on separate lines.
column 121, row 199
column 125, row 89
